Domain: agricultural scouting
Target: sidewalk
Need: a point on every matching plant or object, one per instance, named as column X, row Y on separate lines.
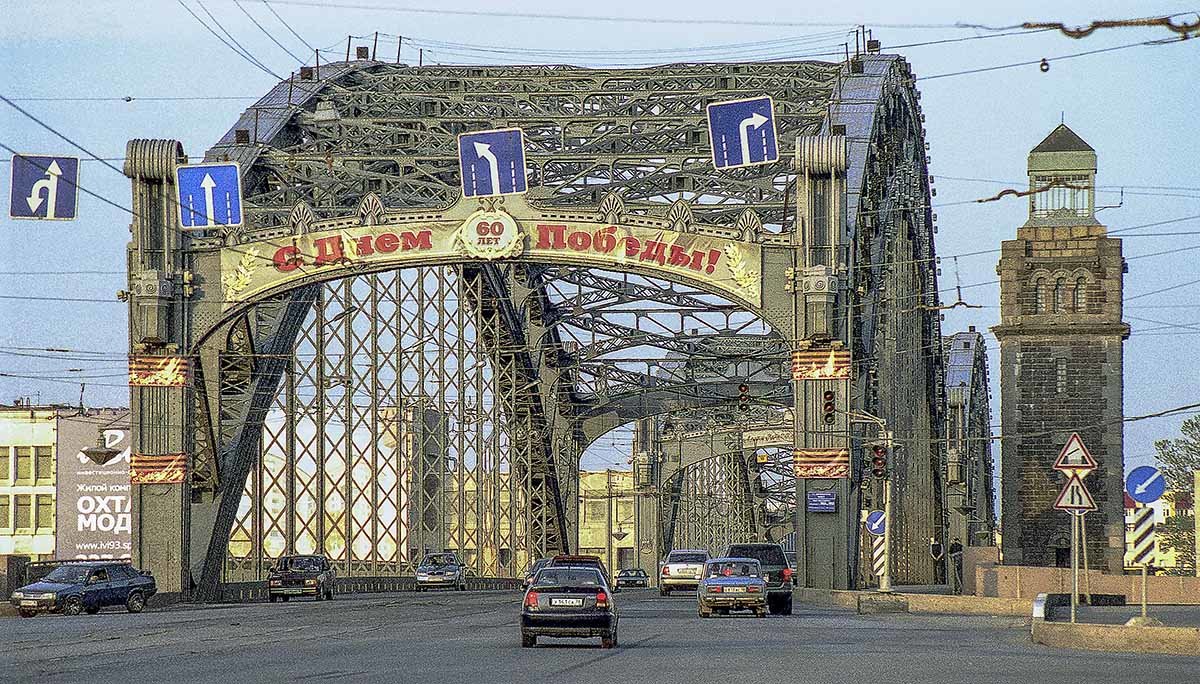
column 1169, row 616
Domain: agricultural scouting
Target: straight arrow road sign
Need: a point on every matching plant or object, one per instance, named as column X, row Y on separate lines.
column 1075, row 496
column 44, row 188
column 1075, row 459
column 209, row 195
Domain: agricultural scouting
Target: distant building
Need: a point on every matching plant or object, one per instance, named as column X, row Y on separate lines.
column 608, row 525
column 970, row 493
column 54, row 500
column 1061, row 360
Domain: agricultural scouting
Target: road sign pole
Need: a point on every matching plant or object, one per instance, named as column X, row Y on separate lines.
column 1144, row 573
column 1074, row 565
column 885, row 580
column 1087, row 577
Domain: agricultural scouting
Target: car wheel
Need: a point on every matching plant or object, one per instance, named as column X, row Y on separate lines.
column 664, row 592
column 760, row 612
column 73, row 606
column 329, row 596
column 772, row 605
column 786, row 608
column 284, row 599
column 135, row 603
column 528, row 640
column 704, row 613
column 272, row 598
column 27, row 613
column 608, row 640
column 320, row 596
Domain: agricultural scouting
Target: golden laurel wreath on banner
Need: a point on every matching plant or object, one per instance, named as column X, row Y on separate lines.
column 745, row 277
column 240, row 278
column 490, row 235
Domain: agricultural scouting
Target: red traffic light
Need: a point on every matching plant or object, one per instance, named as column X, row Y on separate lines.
column 879, row 454
column 829, row 407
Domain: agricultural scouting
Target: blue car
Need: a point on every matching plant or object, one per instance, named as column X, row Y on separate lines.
column 732, row 584
column 74, row 588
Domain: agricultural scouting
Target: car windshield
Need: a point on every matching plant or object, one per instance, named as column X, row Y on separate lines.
column 67, row 574
column 627, row 573
column 438, row 559
column 767, row 554
column 568, row 577
column 732, row 569
column 686, row 557
column 300, row 563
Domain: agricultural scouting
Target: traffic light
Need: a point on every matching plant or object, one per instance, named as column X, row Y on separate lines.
column 743, row 397
column 829, row 407
column 879, row 456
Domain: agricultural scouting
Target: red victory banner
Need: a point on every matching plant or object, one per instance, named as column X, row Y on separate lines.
column 157, row 468
column 821, row 463
column 158, row 371
column 821, row 364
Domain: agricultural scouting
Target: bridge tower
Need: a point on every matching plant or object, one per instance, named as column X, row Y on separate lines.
column 1061, row 359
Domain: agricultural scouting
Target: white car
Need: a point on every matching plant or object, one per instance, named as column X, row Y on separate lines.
column 681, row 569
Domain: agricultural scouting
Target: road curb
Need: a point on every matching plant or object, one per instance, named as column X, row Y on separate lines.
column 869, row 602
column 1112, row 638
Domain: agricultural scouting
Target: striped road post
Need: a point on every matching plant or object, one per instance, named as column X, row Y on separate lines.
column 878, row 554
column 1143, row 544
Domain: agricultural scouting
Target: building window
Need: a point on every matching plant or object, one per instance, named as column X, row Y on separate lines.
column 24, row 461
column 22, row 512
column 1060, row 295
column 595, row 510
column 5, row 464
column 624, row 510
column 1062, row 200
column 44, row 464
column 1039, row 295
column 1079, row 295
column 5, row 512
column 1060, row 375
column 45, row 512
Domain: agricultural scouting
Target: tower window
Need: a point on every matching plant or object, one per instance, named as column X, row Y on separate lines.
column 1060, row 295
column 1070, row 196
column 1060, row 375
column 1079, row 295
column 1039, row 295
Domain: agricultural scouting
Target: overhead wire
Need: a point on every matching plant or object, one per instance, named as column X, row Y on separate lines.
column 1049, row 60
column 267, row 33
column 248, row 58
column 289, row 27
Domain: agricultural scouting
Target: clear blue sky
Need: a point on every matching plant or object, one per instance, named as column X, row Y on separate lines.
column 1136, row 106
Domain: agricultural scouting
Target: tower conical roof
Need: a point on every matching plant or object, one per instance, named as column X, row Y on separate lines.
column 1063, row 139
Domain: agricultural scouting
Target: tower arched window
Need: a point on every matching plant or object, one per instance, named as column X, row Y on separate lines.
column 1039, row 295
column 1060, row 294
column 1079, row 295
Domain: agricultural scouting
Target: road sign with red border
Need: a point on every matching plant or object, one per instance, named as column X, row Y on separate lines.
column 1075, row 497
column 1075, row 459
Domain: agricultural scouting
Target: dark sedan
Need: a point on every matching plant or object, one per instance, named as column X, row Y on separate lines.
column 633, row 577
column 73, row 588
column 301, row 576
column 533, row 571
column 569, row 602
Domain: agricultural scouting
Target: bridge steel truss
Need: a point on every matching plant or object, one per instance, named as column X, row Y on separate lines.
column 372, row 413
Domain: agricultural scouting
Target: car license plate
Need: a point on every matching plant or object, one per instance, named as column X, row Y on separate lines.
column 566, row 602
column 29, row 604
column 735, row 590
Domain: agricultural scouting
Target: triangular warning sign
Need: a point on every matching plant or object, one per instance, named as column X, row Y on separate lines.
column 1075, row 457
column 1075, row 497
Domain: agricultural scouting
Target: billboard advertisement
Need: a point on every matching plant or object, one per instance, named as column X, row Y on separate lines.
column 93, row 495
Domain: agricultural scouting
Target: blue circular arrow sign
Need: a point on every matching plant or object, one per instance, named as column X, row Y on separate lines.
column 1145, row 484
column 875, row 522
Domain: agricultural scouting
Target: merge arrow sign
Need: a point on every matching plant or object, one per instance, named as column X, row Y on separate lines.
column 1075, row 497
column 1075, row 459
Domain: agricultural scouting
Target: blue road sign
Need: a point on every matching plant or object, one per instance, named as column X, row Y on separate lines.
column 44, row 188
column 821, row 502
column 492, row 162
column 875, row 522
column 209, row 195
column 1145, row 484
column 742, row 132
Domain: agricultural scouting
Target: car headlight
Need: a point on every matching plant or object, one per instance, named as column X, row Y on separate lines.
column 48, row 596
column 18, row 595
column 276, row 583
column 310, row 583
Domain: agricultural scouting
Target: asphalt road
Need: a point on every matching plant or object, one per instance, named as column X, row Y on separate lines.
column 473, row 638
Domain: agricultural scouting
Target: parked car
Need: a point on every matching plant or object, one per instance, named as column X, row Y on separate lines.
column 633, row 577
column 76, row 587
column 776, row 572
column 533, row 570
column 310, row 575
column 681, row 569
column 569, row 601
column 441, row 570
column 732, row 584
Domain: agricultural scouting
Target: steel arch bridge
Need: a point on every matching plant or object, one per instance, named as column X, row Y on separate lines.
column 369, row 381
